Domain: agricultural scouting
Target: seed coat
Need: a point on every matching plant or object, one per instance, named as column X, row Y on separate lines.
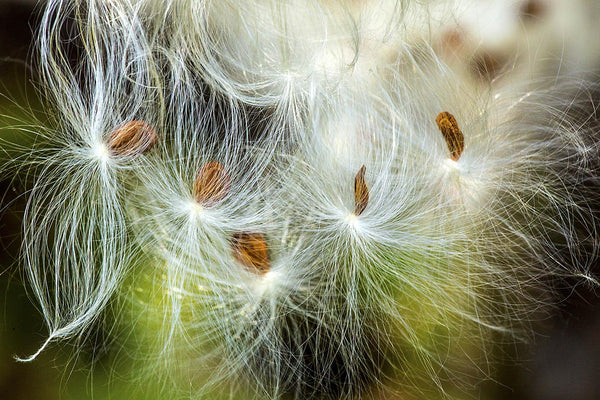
column 131, row 139
column 361, row 192
column 212, row 184
column 250, row 250
column 455, row 139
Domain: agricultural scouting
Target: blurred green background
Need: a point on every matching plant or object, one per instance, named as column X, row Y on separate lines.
column 564, row 363
column 62, row 372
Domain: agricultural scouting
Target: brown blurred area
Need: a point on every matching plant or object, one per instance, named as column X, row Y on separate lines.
column 563, row 363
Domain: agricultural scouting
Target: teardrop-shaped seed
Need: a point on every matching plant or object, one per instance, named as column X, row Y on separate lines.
column 361, row 192
column 452, row 134
column 131, row 139
column 250, row 250
column 212, row 184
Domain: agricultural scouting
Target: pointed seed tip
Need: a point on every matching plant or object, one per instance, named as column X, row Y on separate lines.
column 131, row 139
column 455, row 139
column 250, row 250
column 361, row 192
column 212, row 184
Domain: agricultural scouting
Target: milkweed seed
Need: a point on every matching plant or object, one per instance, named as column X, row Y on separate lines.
column 131, row 139
column 250, row 250
column 361, row 192
column 212, row 184
column 452, row 134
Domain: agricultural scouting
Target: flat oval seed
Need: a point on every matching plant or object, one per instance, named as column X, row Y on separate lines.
column 361, row 192
column 250, row 250
column 212, row 183
column 131, row 139
column 452, row 134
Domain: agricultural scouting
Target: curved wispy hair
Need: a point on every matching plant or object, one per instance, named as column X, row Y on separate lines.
column 75, row 204
column 260, row 51
column 446, row 252
column 295, row 233
column 438, row 258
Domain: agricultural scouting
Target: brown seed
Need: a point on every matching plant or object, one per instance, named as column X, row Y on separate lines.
column 532, row 9
column 487, row 65
column 131, row 139
column 212, row 183
column 452, row 41
column 452, row 134
column 361, row 192
column 250, row 250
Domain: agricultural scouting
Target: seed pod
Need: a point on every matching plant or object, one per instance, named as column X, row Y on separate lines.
column 361, row 192
column 452, row 134
column 131, row 139
column 250, row 250
column 212, row 184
